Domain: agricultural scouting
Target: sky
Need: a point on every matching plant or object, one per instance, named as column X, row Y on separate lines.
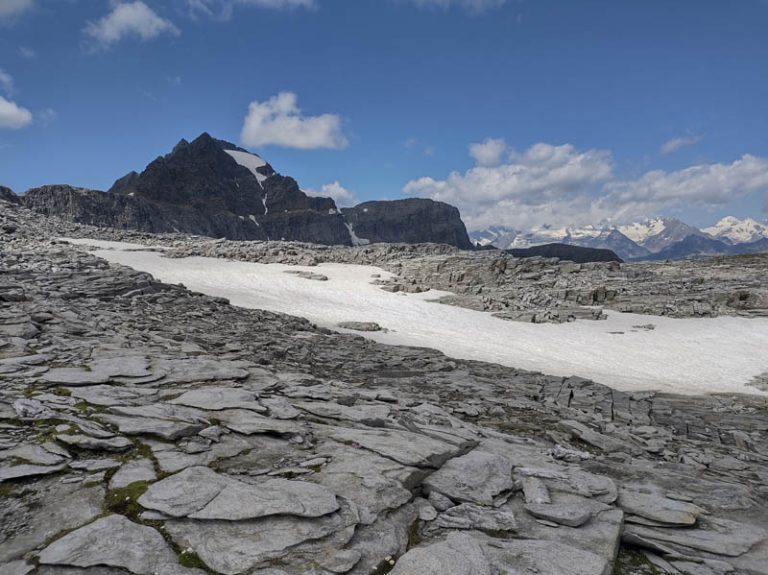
column 520, row 112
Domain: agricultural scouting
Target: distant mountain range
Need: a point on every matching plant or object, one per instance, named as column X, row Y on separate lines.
column 654, row 239
column 213, row 188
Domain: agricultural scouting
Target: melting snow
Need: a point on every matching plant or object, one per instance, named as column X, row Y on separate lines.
column 680, row 355
column 356, row 241
column 250, row 161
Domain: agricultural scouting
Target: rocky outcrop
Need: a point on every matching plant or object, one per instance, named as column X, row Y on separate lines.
column 7, row 195
column 577, row 254
column 409, row 221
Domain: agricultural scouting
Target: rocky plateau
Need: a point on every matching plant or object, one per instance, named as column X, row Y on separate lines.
column 147, row 429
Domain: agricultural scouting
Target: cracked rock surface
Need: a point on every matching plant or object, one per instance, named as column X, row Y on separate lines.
column 148, row 429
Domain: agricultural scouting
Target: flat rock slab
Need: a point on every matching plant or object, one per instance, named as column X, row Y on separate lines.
column 569, row 514
column 459, row 554
column 73, row 376
column 108, row 395
column 161, row 419
column 218, row 398
column 249, row 423
column 133, row 471
column 535, row 557
column 115, row 541
column 127, row 366
column 200, row 369
column 32, row 453
column 80, row 441
column 201, row 493
column 234, row 547
column 659, row 508
column 350, row 413
column 8, row 472
column 402, row 446
column 719, row 536
column 477, row 477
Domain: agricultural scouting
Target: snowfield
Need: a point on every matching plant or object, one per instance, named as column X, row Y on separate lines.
column 680, row 355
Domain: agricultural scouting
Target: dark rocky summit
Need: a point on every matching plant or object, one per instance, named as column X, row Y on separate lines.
column 7, row 195
column 201, row 188
column 577, row 254
column 410, row 221
column 146, row 429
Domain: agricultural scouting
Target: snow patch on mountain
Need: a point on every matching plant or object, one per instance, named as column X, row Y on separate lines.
column 639, row 232
column 250, row 161
column 738, row 231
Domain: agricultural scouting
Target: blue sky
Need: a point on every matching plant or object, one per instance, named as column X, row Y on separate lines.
column 520, row 112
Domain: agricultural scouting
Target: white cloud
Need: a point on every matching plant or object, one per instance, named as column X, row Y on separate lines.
column 342, row 196
column 12, row 115
column 562, row 186
column 705, row 185
column 476, row 6
column 129, row 19
column 6, row 82
column 10, row 8
column 279, row 122
column 676, row 143
column 223, row 8
column 489, row 152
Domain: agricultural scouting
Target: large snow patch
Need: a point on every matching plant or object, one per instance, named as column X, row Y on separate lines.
column 679, row 355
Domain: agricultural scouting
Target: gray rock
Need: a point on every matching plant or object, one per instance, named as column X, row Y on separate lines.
column 535, row 490
column 233, row 547
column 471, row 516
column 459, row 554
column 476, row 477
column 24, row 470
column 249, row 423
column 572, row 515
column 532, row 557
column 200, row 493
column 94, row 444
column 116, row 542
column 74, row 376
column 659, row 508
column 402, row 446
column 360, row 325
column 131, row 472
column 718, row 536
column 218, row 398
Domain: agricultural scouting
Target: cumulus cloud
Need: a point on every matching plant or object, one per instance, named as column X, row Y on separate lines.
column 489, row 152
column 342, row 196
column 676, row 143
column 12, row 115
column 706, row 185
column 476, row 6
column 11, row 8
column 129, row 19
column 563, row 186
column 280, row 122
column 223, row 8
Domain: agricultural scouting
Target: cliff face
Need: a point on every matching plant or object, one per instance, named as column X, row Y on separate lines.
column 212, row 188
column 410, row 221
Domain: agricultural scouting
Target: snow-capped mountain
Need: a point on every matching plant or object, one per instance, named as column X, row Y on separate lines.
column 736, row 231
column 656, row 238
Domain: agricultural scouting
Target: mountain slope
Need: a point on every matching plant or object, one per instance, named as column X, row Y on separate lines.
column 735, row 231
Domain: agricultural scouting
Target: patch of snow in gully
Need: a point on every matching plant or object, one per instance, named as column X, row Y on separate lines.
column 680, row 355
column 250, row 161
